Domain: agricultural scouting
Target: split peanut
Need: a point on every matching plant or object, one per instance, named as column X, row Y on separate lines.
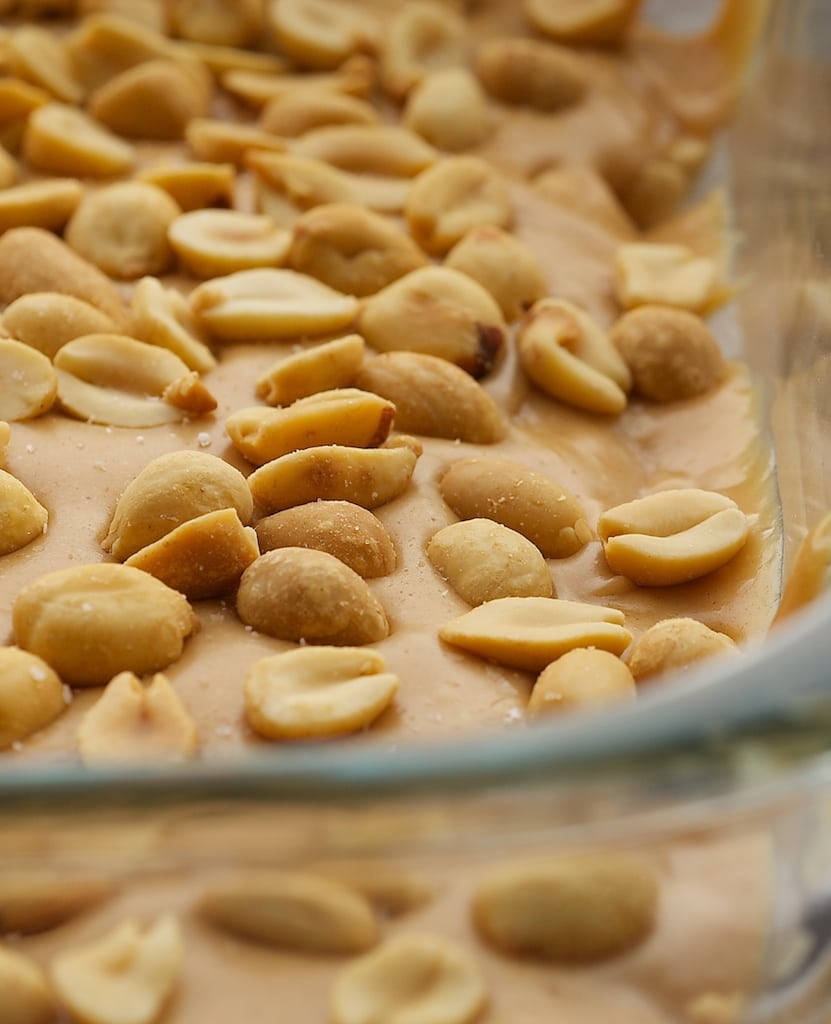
column 368, row 149
column 161, row 316
column 46, row 321
column 222, row 142
column 674, row 644
column 22, row 517
column 531, row 73
column 421, row 38
column 29, row 381
column 355, row 77
column 193, row 186
column 321, row 33
column 664, row 274
column 214, row 242
column 307, row 108
column 63, row 140
column 450, row 110
column 206, row 21
column 597, row 22
column 323, row 367
column 40, row 204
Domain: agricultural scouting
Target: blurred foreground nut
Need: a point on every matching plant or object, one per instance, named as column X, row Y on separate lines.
column 40, row 204
column 581, row 679
column 331, row 364
column 301, row 912
column 161, row 316
column 317, row 692
column 22, row 517
column 27, row 998
column 299, row 594
column 531, row 73
column 226, row 142
column 483, row 561
column 136, row 724
column 673, row 536
column 226, row 22
column 584, row 192
column 30, row 383
column 303, row 110
column 36, row 900
column 173, row 489
column 17, row 101
column 355, row 77
column 421, row 38
column 213, row 242
column 421, row 979
column 369, row 149
column 321, row 33
column 193, row 186
column 674, row 644
column 671, row 353
column 391, row 887
column 48, row 320
column 572, row 910
column 597, row 22
column 38, row 56
column 93, row 621
column 125, row 978
column 449, row 110
column 31, row 696
column 288, row 185
column 511, row 494
column 8, row 166
column 531, row 632
column 63, row 140
column 664, row 274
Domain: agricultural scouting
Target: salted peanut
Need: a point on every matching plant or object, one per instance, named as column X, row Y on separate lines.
column 449, row 109
column 220, row 59
column 31, row 695
column 17, row 101
column 437, row 311
column 419, row 979
column 368, row 149
column 368, row 477
column 347, row 531
column 5, row 435
column 598, row 22
column 503, row 265
column 317, row 692
column 209, row 243
column 674, row 644
column 125, row 978
column 146, row 13
column 352, row 249
column 290, row 910
column 433, row 397
column 287, row 185
column 584, row 193
column 673, row 536
column 30, row 383
column 300, row 594
column 27, row 998
column 161, row 316
column 511, row 494
column 307, row 108
column 230, row 22
column 570, row 357
column 483, row 561
column 173, row 489
column 527, row 72
column 420, row 39
column 154, row 100
column 270, row 305
column 581, row 679
column 576, row 909
column 37, row 56
column 131, row 723
column 321, row 33
column 672, row 354
column 224, row 142
column 40, row 204
column 531, row 632
column 93, row 621
column 22, row 517
column 332, row 364
column 345, row 416
column 193, row 186
column 655, row 191
column 36, row 900
column 63, row 140
column 392, row 888
column 669, row 275
column 33, row 260
column 355, row 77
column 8, row 168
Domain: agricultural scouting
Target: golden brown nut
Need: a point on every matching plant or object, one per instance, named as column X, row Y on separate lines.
column 581, row 679
column 193, row 186
column 531, row 73
column 27, row 998
column 35, row 900
column 674, row 644
column 31, row 696
column 368, row 149
column 17, row 101
column 63, row 140
column 422, row 37
column 305, row 109
column 30, row 383
column 226, row 142
column 8, row 168
column 598, row 22
column 230, row 22
column 161, row 316
column 48, row 320
column 450, row 110
column 355, row 77
column 36, row 55
column 331, row 364
column 5, row 434
column 321, row 33
column 40, row 204
column 665, row 274
column 22, row 517
column 210, row 243
column 287, row 185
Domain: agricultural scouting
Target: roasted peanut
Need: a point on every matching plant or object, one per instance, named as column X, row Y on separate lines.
column 340, row 528
column 531, row 73
column 161, row 316
column 655, row 191
column 93, row 621
column 288, row 185
column 577, row 909
column 355, row 77
column 674, row 644
column 390, row 887
column 570, row 357
column 515, row 496
column 173, row 489
column 531, row 632
column 132, row 723
column 36, row 900
column 439, row 312
column 22, row 517
column 321, row 33
column 124, row 978
column 453, row 197
column 299, row 594
column 31, row 696
column 433, row 397
column 672, row 355
column 368, row 477
column 332, row 364
column 421, row 38
column 8, row 168
column 483, row 561
column 673, row 536
column 503, row 266
column 220, row 59
column 581, row 679
column 193, row 186
column 214, row 242
column 668, row 275
column 317, row 692
column 301, row 912
column 37, row 56
column 449, row 110
column 40, row 204
column 352, row 249
column 368, row 149
column 413, row 978
column 305, row 109
column 222, row 142
column 230, row 22
column 598, row 22
column 270, row 305
column 17, row 101
column 63, row 140
column 27, row 998
column 30, row 383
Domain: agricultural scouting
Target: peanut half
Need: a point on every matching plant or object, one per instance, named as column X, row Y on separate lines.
column 27, row 998
column 305, row 109
column 40, row 204
column 597, row 22
column 673, row 644
column 22, row 517
column 62, row 140
column 287, row 185
column 321, row 33
column 581, row 679
column 214, row 242
column 531, row 73
column 161, row 316
column 673, row 536
column 36, row 55
column 31, row 695
column 193, row 186
column 421, row 38
column 234, row 24
column 224, row 142
column 368, row 149
column 39, row 899
column 450, row 110
column 17, row 101
column 48, row 320
column 317, row 692
column 332, row 364
column 664, row 274
column 355, row 77
column 30, row 383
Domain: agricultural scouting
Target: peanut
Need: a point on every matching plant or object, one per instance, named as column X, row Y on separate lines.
column 355, row 77
column 214, row 242
column 27, row 998
column 655, row 191
column 531, row 73
column 674, row 644
column 40, row 204
column 299, row 594
column 439, row 312
column 231, row 22
column 664, row 274
column 8, row 168
column 5, row 435
column 221, row 59
column 421, row 38
column 131, row 723
column 288, row 185
column 31, row 695
column 581, row 679
column 390, row 887
column 62, row 140
column 598, row 22
column 368, row 149
column 332, row 364
column 30, row 383
column 347, row 531
column 305, row 109
column 321, row 33
column 193, row 186
column 433, row 397
column 222, row 142
column 449, row 110
column 317, row 692
column 33, row 901
column 17, row 101
column 673, row 536
column 531, row 632
column 22, row 517
column 513, row 495
column 161, row 316
column 37, row 56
